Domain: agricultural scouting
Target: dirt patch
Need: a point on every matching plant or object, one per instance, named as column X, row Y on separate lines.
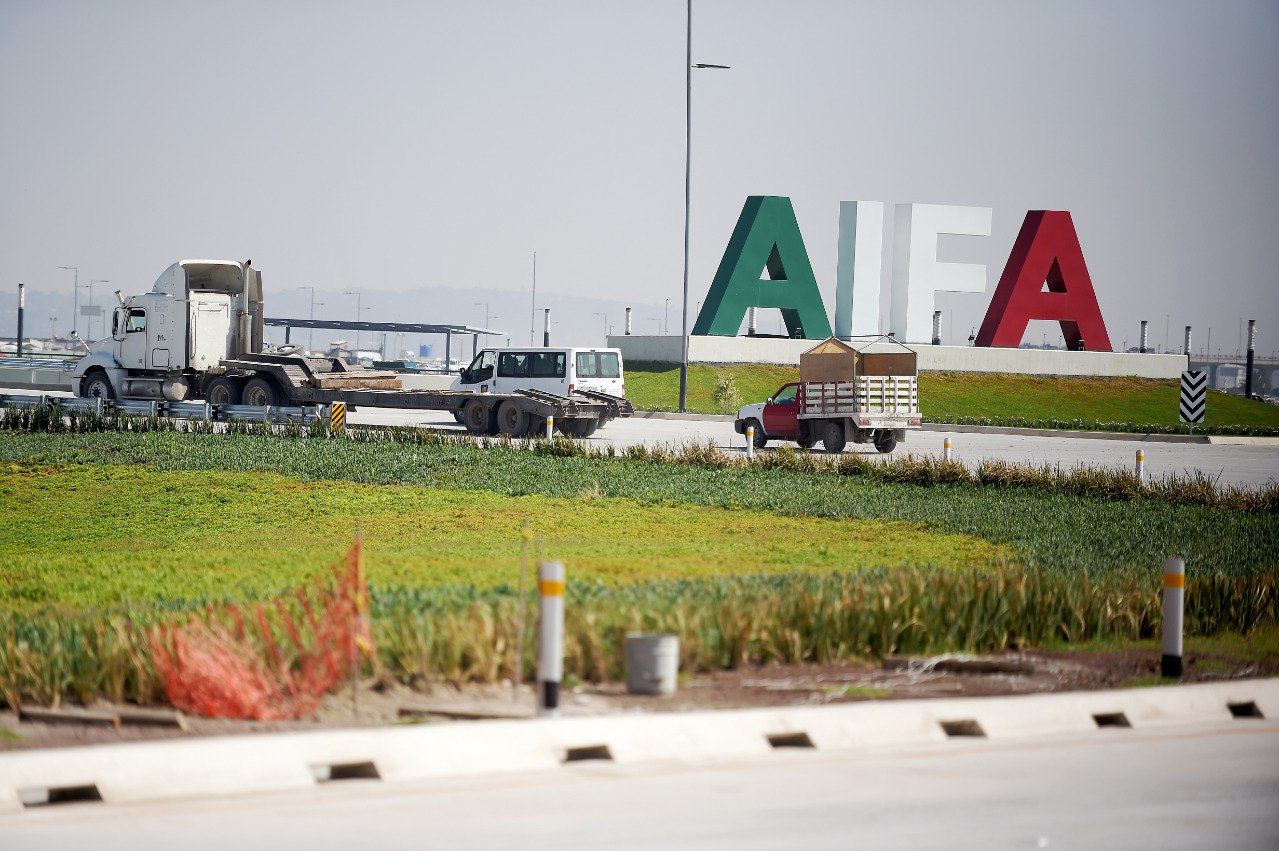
column 381, row 705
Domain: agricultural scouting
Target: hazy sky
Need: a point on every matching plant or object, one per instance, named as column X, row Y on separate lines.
column 420, row 150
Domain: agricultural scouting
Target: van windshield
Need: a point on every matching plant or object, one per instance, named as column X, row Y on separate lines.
column 598, row 365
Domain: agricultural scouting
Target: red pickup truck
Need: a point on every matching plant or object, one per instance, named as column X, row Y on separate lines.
column 869, row 409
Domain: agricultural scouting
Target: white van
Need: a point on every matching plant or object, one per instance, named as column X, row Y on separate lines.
column 558, row 371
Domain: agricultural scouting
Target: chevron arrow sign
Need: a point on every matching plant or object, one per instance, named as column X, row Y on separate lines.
column 1194, row 396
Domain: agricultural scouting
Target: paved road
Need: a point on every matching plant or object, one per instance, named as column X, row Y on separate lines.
column 1202, row 787
column 1252, row 465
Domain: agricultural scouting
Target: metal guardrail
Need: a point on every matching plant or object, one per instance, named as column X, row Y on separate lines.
column 173, row 410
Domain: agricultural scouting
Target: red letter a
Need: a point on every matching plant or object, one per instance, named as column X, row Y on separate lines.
column 1046, row 251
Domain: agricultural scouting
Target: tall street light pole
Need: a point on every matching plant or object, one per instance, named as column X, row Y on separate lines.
column 91, row 283
column 75, row 297
column 486, row 317
column 358, row 318
column 310, row 340
column 605, row 315
column 688, row 162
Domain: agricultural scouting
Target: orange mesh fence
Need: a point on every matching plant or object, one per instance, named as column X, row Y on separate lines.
column 270, row 660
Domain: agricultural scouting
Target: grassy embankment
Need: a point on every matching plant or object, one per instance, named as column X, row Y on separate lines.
column 962, row 397
column 745, row 563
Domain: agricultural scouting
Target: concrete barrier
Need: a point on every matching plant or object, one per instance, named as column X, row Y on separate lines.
column 157, row 771
column 785, row 352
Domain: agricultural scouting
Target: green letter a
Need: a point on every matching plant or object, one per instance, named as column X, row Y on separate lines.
column 766, row 237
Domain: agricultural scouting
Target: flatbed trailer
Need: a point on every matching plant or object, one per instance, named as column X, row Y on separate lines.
column 296, row 380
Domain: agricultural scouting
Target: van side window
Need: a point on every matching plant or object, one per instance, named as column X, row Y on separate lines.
column 549, row 364
column 137, row 320
column 513, row 364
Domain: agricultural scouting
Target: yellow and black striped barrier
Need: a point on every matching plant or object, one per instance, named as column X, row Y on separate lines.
column 337, row 418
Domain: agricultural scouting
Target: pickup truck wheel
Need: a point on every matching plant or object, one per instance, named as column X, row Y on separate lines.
column 761, row 439
column 260, row 392
column 475, row 417
column 512, row 420
column 833, row 439
column 885, row 441
column 222, row 391
column 97, row 386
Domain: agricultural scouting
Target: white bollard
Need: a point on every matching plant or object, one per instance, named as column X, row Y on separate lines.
column 550, row 635
column 550, row 427
column 1174, row 610
column 945, row 449
column 750, row 442
column 1141, row 467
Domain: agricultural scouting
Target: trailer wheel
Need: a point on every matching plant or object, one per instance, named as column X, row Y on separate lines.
column 222, row 390
column 833, row 439
column 97, row 386
column 512, row 420
column 885, row 441
column 761, row 439
column 459, row 416
column 260, row 392
column 475, row 417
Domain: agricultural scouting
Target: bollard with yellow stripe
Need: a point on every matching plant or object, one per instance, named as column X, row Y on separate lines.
column 337, row 418
column 1174, row 611
column 550, row 635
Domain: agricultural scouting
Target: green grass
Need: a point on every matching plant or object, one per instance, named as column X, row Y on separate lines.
column 112, row 535
column 1051, row 529
column 655, row 386
column 947, row 395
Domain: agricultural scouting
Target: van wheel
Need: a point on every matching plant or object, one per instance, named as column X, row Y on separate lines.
column 833, row 440
column 97, row 386
column 761, row 439
column 222, row 391
column 475, row 417
column 512, row 420
column 260, row 392
column 885, row 442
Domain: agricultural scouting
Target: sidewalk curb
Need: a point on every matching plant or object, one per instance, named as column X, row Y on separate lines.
column 196, row 768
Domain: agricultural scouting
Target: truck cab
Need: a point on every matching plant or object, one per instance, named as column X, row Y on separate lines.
column 167, row 342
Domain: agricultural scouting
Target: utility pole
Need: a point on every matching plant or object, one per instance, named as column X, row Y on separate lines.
column 22, row 306
column 532, row 311
column 75, row 297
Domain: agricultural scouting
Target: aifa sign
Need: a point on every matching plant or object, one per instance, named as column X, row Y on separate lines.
column 1045, row 276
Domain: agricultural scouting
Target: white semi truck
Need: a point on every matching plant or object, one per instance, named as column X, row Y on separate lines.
column 198, row 335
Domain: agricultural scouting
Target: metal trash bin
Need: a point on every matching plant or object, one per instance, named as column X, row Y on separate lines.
column 652, row 663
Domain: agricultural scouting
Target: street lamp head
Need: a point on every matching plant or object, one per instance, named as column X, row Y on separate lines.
column 710, row 65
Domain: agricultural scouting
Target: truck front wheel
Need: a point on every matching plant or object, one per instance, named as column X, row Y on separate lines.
column 761, row 439
column 833, row 439
column 222, row 390
column 260, row 392
column 97, row 386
